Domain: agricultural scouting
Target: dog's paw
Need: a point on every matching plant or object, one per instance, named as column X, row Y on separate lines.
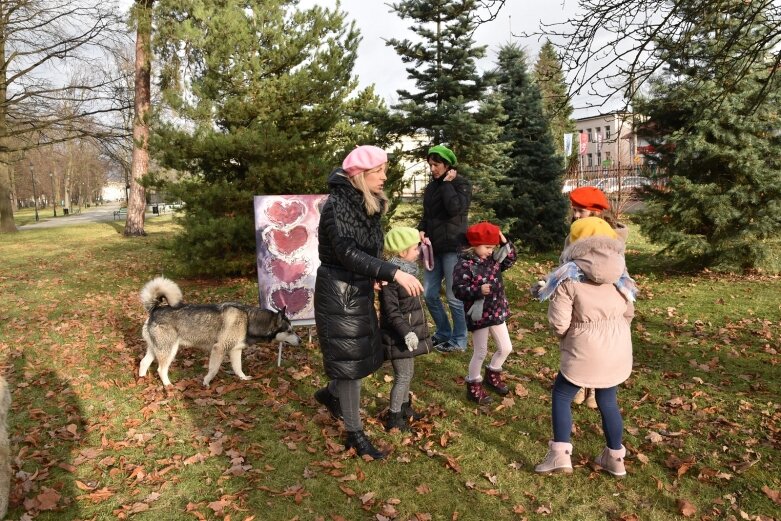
column 245, row 377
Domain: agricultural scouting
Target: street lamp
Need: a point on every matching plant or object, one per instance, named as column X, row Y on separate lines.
column 54, row 194
column 35, row 196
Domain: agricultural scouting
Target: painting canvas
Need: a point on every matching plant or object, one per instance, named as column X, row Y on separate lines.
column 286, row 239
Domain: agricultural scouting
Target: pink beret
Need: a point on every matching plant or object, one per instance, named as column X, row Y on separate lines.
column 362, row 158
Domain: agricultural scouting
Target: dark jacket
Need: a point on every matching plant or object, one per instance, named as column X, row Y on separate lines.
column 470, row 273
column 350, row 246
column 445, row 211
column 401, row 313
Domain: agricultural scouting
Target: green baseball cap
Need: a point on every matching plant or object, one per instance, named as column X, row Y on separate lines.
column 443, row 152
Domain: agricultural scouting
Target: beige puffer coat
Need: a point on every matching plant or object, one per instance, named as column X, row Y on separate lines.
column 592, row 318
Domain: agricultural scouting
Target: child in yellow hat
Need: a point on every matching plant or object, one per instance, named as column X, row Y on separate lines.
column 590, row 311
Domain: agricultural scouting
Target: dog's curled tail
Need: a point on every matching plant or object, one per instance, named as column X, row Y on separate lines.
column 159, row 288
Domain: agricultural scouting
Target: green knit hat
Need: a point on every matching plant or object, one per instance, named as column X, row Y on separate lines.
column 400, row 238
column 443, row 152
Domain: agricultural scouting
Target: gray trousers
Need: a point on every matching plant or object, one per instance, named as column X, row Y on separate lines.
column 349, row 394
column 403, row 369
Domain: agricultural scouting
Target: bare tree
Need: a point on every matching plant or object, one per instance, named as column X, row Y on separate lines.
column 42, row 42
column 609, row 50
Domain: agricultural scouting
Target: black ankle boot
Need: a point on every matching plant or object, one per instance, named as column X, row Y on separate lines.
column 357, row 440
column 396, row 420
column 330, row 401
column 408, row 412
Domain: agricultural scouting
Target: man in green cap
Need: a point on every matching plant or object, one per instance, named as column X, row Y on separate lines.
column 446, row 202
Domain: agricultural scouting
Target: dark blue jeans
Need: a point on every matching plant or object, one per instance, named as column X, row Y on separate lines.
column 562, row 395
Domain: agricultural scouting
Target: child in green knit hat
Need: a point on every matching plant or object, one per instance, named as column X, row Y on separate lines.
column 403, row 325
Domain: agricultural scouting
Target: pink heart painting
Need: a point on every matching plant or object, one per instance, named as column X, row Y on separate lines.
column 289, row 272
column 295, row 299
column 287, row 241
column 284, row 212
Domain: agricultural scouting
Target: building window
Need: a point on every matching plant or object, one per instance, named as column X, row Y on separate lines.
column 588, row 131
column 599, row 158
column 607, row 132
column 597, row 131
column 590, row 159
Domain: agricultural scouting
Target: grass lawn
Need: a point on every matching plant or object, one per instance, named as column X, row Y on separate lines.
column 702, row 409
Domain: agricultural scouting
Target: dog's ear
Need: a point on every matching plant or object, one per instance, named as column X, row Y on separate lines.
column 282, row 311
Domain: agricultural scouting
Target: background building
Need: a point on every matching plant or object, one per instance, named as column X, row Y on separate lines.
column 609, row 142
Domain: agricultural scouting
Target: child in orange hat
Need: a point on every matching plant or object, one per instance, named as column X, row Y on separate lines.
column 477, row 281
column 590, row 201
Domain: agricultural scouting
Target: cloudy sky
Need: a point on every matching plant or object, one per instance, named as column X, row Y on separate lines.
column 379, row 64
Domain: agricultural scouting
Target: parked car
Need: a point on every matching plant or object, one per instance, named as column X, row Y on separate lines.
column 627, row 185
column 571, row 184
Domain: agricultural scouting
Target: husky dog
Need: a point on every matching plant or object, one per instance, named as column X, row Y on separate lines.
column 220, row 328
column 5, row 447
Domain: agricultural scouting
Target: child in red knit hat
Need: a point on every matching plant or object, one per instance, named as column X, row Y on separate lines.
column 477, row 281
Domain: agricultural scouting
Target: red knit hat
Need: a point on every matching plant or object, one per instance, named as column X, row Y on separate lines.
column 482, row 233
column 589, row 197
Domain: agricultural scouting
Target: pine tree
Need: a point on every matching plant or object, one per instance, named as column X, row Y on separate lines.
column 556, row 105
column 453, row 103
column 722, row 204
column 530, row 196
column 257, row 90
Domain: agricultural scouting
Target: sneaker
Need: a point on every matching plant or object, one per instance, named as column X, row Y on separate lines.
column 443, row 347
column 457, row 348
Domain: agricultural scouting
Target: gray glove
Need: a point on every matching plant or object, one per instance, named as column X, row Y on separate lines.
column 535, row 289
column 411, row 339
column 501, row 253
column 476, row 310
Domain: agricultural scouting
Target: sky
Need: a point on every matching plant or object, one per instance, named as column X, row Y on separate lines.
column 379, row 64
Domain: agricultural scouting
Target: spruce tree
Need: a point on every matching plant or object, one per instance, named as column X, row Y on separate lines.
column 452, row 103
column 717, row 136
column 253, row 97
column 556, row 106
column 530, row 196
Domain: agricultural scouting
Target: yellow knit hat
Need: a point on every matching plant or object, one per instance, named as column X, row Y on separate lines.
column 589, row 227
column 400, row 238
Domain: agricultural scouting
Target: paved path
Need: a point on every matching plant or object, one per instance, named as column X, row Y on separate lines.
column 96, row 214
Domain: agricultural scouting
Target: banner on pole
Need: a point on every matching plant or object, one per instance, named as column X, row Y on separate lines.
column 583, row 143
column 567, row 145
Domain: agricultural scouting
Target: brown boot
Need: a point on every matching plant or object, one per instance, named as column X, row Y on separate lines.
column 558, row 459
column 493, row 381
column 476, row 393
column 612, row 461
column 591, row 399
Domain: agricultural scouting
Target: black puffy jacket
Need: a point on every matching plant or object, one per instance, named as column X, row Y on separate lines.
column 401, row 313
column 445, row 213
column 350, row 246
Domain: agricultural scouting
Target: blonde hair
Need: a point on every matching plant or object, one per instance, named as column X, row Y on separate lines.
column 374, row 203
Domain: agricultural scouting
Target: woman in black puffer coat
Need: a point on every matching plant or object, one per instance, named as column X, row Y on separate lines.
column 350, row 246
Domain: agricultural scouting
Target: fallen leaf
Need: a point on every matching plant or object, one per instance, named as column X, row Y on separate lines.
column 774, row 495
column 685, row 508
column 48, row 499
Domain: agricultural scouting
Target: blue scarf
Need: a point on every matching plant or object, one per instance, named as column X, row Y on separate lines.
column 570, row 271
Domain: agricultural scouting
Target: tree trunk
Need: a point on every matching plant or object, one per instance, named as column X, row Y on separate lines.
column 136, row 205
column 7, row 224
